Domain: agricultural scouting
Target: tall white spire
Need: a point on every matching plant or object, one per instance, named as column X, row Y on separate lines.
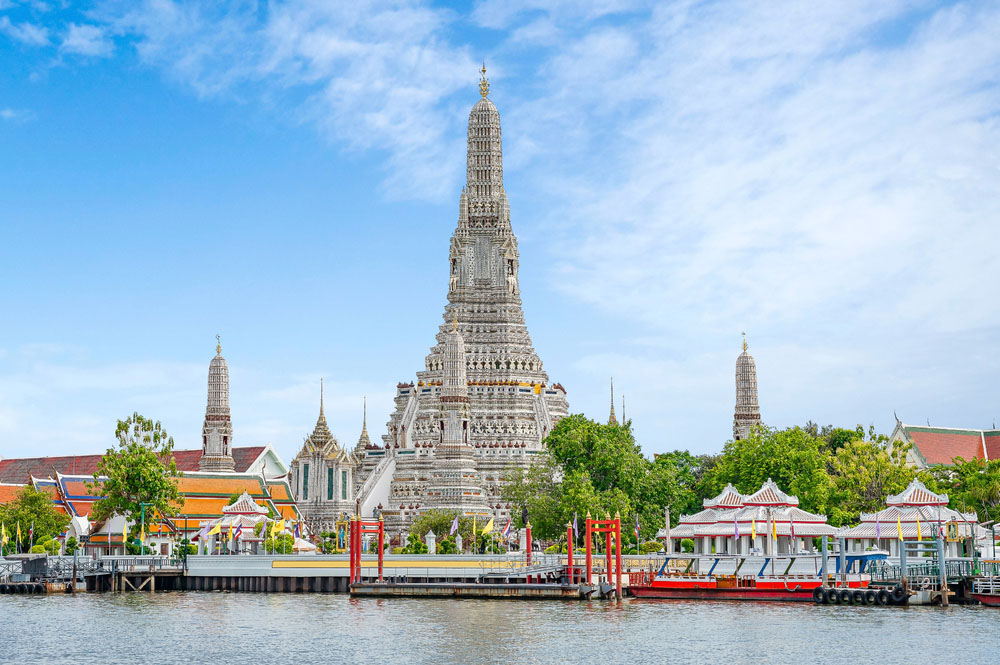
column 611, row 419
column 217, row 430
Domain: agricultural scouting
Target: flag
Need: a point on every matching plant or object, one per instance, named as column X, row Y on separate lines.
column 736, row 527
column 753, row 528
column 920, row 534
column 142, row 534
column 124, row 534
column 473, row 527
column 506, row 530
column 489, row 526
column 637, row 534
column 297, row 531
column 239, row 531
column 217, row 529
column 19, row 538
column 774, row 528
column 576, row 532
column 899, row 527
column 454, row 526
column 31, row 533
column 3, row 533
column 230, row 531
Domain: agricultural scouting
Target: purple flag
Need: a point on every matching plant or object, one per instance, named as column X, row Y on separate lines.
column 736, row 527
column 454, row 526
column 637, row 530
column 576, row 532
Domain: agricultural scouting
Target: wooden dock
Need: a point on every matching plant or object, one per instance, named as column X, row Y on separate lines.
column 467, row 590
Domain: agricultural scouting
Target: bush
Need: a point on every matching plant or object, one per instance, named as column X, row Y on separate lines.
column 280, row 544
column 51, row 548
column 38, row 549
column 687, row 545
column 71, row 545
column 651, row 546
column 447, row 546
column 399, row 550
column 552, row 549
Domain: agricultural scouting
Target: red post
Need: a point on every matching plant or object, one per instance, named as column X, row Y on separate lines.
column 350, row 551
column 528, row 539
column 569, row 553
column 357, row 550
column 618, row 556
column 381, row 545
column 607, row 550
column 589, row 548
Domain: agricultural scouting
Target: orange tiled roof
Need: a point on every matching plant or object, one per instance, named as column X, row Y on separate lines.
column 279, row 491
column 220, row 485
column 9, row 493
column 940, row 445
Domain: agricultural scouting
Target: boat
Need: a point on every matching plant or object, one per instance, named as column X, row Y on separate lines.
column 987, row 591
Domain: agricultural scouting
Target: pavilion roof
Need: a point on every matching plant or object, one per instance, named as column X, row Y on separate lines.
column 728, row 498
column 770, row 495
column 917, row 494
column 941, row 445
column 245, row 505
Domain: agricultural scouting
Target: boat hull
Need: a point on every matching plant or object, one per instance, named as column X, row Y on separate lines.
column 990, row 600
column 800, row 595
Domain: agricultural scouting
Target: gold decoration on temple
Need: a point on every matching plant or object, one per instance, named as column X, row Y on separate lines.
column 218, row 344
column 484, row 84
column 744, row 341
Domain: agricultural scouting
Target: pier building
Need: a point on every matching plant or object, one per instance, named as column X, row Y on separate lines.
column 916, row 513
column 511, row 404
column 732, row 523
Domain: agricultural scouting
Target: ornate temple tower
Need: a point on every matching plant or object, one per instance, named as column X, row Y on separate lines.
column 217, row 431
column 322, row 476
column 747, row 409
column 612, row 420
column 511, row 405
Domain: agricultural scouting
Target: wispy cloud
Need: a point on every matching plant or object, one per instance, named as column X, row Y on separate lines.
column 24, row 32
column 86, row 40
column 16, row 115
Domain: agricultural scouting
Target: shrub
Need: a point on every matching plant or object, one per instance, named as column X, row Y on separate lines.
column 71, row 545
column 651, row 546
column 447, row 546
column 38, row 549
column 687, row 545
column 399, row 550
column 552, row 549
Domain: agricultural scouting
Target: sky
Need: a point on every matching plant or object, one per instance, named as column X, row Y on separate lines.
column 822, row 176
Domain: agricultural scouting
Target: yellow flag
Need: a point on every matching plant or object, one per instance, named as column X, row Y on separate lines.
column 3, row 534
column 278, row 527
column 215, row 530
column 18, row 533
column 774, row 528
column 899, row 527
column 142, row 534
column 920, row 534
column 753, row 528
column 489, row 526
column 230, row 531
column 473, row 527
column 124, row 534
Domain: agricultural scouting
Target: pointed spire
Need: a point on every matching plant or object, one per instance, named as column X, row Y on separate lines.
column 321, row 397
column 321, row 433
column 624, row 419
column 484, row 83
column 611, row 419
column 363, row 440
column 744, row 341
column 218, row 345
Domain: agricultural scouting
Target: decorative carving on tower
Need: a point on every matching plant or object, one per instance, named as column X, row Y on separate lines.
column 217, row 430
column 747, row 409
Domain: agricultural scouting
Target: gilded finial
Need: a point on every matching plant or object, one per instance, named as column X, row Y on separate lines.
column 744, row 340
column 218, row 344
column 484, row 83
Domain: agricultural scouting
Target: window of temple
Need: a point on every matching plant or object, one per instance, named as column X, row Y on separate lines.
column 329, row 484
column 305, row 482
column 343, row 485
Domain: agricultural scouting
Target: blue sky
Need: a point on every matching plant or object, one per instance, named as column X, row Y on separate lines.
column 824, row 176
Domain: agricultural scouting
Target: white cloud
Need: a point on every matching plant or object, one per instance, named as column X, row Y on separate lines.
column 24, row 32
column 16, row 115
column 88, row 40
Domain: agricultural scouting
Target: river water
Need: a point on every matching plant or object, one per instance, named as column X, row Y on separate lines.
column 194, row 627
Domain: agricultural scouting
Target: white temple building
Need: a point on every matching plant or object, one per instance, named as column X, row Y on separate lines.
column 913, row 514
column 732, row 523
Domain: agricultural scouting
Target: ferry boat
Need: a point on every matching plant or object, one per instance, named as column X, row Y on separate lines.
column 762, row 586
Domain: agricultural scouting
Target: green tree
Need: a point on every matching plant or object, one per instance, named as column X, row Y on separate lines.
column 865, row 473
column 973, row 485
column 792, row 458
column 71, row 545
column 279, row 544
column 446, row 546
column 32, row 507
column 139, row 471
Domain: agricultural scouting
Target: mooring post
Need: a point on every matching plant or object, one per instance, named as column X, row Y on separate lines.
column 826, row 557
column 381, row 545
column 528, row 538
column 569, row 553
column 350, row 551
column 607, row 549
column 618, row 556
column 842, row 560
column 589, row 549
column 942, row 571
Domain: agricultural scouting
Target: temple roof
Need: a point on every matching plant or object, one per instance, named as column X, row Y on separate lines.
column 916, row 494
column 20, row 470
column 728, row 498
column 770, row 495
column 245, row 505
column 941, row 445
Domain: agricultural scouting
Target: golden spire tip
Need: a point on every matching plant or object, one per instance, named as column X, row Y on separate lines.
column 218, row 344
column 484, row 83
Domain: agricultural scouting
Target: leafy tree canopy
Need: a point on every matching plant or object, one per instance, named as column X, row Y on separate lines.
column 32, row 507
column 140, row 469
